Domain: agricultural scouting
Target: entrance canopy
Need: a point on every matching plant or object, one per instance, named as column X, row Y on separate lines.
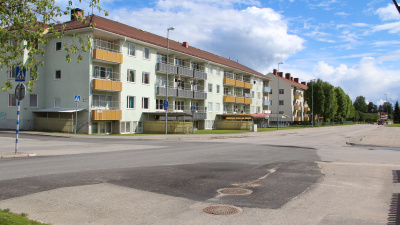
column 59, row 110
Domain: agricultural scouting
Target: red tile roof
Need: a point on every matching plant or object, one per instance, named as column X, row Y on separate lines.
column 294, row 83
column 131, row 32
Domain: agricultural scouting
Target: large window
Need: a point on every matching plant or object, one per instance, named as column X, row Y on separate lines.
column 33, row 100
column 101, row 72
column 145, row 103
column 179, row 105
column 281, row 91
column 131, row 49
column 130, row 102
column 131, row 75
column 146, row 78
column 210, row 109
column 146, row 53
column 218, row 89
column 159, row 104
column 12, row 101
column 210, row 88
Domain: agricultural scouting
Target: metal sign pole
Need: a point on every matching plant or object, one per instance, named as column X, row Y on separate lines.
column 17, row 131
column 76, row 117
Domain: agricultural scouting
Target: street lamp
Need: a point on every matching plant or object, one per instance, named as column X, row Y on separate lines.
column 166, row 93
column 277, row 113
column 312, row 103
column 391, row 109
column 387, row 111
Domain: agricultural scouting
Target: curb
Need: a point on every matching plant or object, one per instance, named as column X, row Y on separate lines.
column 18, row 155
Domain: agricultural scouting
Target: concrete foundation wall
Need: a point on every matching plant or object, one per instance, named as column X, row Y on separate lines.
column 234, row 125
column 174, row 127
column 55, row 124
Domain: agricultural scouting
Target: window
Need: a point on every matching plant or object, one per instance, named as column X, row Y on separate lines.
column 217, row 106
column 12, row 72
column 218, row 87
column 218, row 73
column 145, row 103
column 210, row 88
column 210, row 109
column 209, row 69
column 258, row 95
column 252, row 94
column 130, row 102
column 58, row 46
column 12, row 101
column 57, row 102
column 258, row 109
column 131, row 75
column 57, row 75
column 146, row 53
column 131, row 49
column 281, row 91
column 159, row 104
column 126, row 127
column 100, row 72
column 225, row 108
column 33, row 100
column 146, row 78
column 179, row 105
column 280, row 102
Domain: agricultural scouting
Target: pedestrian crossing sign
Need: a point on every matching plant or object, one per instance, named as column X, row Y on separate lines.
column 77, row 98
column 20, row 74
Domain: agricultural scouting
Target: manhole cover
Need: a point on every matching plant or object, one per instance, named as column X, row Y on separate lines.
column 222, row 210
column 235, row 191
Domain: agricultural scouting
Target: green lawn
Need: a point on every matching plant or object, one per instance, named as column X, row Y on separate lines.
column 9, row 218
column 220, row 131
column 393, row 125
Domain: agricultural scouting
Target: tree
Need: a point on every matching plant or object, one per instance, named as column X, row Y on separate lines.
column 341, row 103
column 372, row 108
column 396, row 114
column 386, row 108
column 330, row 101
column 360, row 105
column 25, row 26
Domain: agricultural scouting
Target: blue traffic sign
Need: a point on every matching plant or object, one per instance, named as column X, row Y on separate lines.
column 193, row 109
column 77, row 98
column 166, row 105
column 20, row 74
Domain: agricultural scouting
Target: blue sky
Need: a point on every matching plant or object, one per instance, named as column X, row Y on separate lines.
column 351, row 44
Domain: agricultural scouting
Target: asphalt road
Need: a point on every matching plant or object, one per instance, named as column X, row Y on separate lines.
column 301, row 170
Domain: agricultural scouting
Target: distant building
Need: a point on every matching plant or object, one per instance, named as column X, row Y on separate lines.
column 292, row 105
column 122, row 85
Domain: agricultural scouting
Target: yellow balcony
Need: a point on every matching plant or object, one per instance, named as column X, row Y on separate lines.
column 297, row 96
column 307, row 109
column 106, row 114
column 239, row 83
column 107, row 85
column 239, row 99
column 229, row 81
column 107, row 56
column 306, row 119
column 228, row 98
column 248, row 100
column 248, row 85
column 297, row 108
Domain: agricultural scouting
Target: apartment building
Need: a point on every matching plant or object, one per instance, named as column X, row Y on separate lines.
column 122, row 83
column 292, row 105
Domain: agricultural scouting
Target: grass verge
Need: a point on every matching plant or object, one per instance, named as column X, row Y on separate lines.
column 393, row 125
column 9, row 218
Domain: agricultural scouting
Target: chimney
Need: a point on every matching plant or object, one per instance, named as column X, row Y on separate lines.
column 296, row 80
column 304, row 83
column 287, row 75
column 275, row 72
column 75, row 13
column 280, row 74
column 185, row 44
column 291, row 78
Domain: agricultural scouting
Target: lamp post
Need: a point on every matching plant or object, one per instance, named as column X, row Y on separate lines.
column 166, row 93
column 277, row 113
column 391, row 109
column 312, row 103
column 387, row 111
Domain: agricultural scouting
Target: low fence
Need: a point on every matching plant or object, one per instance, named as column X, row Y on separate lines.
column 174, row 127
column 234, row 125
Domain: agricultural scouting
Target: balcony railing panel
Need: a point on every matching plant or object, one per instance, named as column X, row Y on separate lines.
column 172, row 92
column 200, row 75
column 185, row 93
column 228, row 98
column 199, row 116
column 297, row 107
column 163, row 67
column 297, row 96
column 267, row 89
column 248, row 85
column 162, row 91
column 266, row 102
column 106, row 114
column 107, row 55
column 229, row 81
column 239, row 99
column 239, row 83
column 185, row 72
column 199, row 95
column 107, row 85
column 248, row 100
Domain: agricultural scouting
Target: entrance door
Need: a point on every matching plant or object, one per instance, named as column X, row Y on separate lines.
column 139, row 128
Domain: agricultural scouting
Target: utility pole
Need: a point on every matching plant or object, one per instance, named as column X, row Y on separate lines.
column 277, row 113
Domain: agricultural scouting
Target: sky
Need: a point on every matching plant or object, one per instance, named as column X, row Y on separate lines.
column 354, row 44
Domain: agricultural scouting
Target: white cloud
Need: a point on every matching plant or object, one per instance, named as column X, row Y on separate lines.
column 366, row 78
column 257, row 37
column 388, row 13
column 391, row 27
column 342, row 14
